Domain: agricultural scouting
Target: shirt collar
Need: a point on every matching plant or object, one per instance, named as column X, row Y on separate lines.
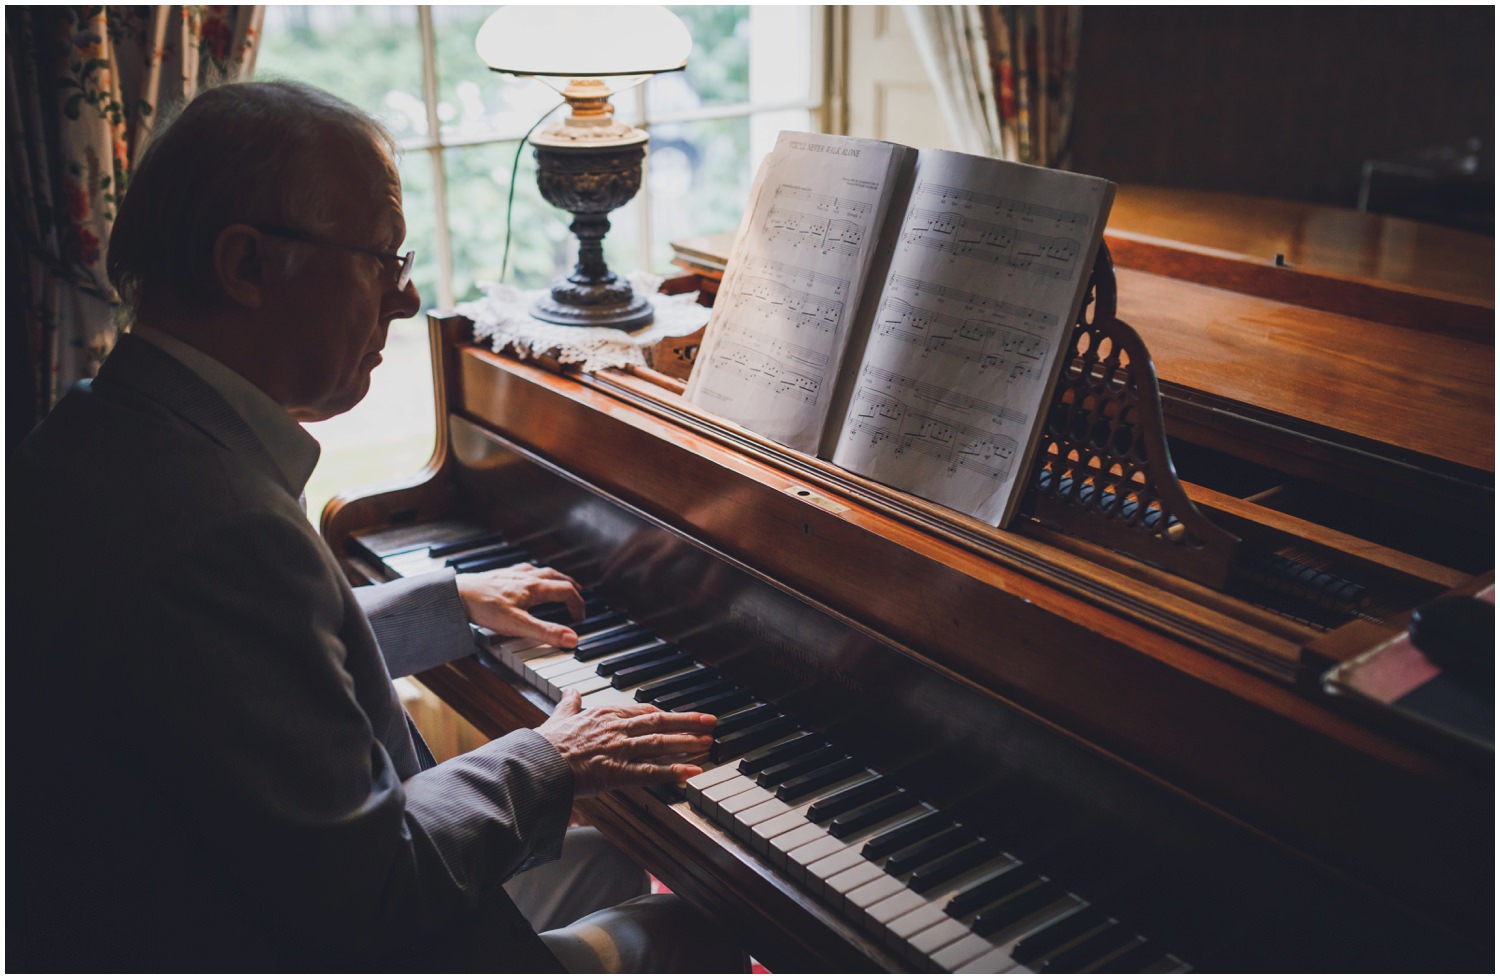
column 294, row 452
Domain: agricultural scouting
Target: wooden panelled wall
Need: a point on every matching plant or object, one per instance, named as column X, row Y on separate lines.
column 1278, row 101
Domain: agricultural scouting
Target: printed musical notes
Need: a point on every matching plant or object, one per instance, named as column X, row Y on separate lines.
column 902, row 313
column 782, row 369
column 823, row 202
column 945, row 195
column 898, row 426
column 1046, row 255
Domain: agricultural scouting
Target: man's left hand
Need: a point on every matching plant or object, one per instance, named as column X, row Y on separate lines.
column 499, row 599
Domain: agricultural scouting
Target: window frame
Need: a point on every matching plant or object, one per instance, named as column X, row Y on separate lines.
column 819, row 103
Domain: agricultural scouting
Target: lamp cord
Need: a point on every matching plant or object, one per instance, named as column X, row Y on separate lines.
column 510, row 202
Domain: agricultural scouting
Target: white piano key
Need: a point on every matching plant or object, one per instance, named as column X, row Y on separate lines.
column 706, row 780
column 753, row 796
column 837, row 889
column 760, row 835
column 608, row 697
column 587, row 684
column 956, row 955
column 939, row 935
column 866, row 896
column 781, row 845
column 546, row 667
column 756, row 815
column 544, row 660
column 710, row 798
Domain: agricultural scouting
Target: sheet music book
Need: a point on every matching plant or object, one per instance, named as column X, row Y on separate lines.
column 902, row 313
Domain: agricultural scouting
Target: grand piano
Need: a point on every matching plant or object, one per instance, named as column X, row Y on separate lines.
column 1054, row 747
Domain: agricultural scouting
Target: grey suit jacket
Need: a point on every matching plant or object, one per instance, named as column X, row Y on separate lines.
column 217, row 773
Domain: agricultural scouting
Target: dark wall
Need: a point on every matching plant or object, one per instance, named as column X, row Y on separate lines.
column 1279, row 101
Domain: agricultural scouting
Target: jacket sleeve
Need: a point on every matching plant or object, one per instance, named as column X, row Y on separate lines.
column 245, row 676
column 419, row 621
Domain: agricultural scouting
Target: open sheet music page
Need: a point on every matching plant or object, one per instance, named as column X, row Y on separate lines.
column 986, row 278
column 780, row 324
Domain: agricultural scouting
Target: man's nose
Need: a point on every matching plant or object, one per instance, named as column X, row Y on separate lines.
column 406, row 303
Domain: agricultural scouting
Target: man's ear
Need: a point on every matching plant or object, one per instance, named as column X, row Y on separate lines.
column 241, row 265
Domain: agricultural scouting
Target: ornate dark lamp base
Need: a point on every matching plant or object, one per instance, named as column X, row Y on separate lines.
column 590, row 181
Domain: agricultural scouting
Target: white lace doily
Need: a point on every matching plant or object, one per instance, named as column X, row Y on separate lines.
column 503, row 317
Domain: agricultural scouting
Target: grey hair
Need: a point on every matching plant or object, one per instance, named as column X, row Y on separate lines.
column 237, row 153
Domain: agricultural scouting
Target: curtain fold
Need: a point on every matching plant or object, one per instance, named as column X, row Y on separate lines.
column 1005, row 76
column 85, row 85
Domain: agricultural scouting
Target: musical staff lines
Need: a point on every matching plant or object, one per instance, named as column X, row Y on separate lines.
column 886, row 419
column 784, row 369
column 1005, row 309
column 1045, row 255
column 801, row 310
column 946, row 195
column 856, row 210
column 989, row 346
column 802, row 230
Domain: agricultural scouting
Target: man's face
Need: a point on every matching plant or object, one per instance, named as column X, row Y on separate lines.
column 337, row 308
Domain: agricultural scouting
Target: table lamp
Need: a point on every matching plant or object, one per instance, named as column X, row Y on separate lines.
column 589, row 164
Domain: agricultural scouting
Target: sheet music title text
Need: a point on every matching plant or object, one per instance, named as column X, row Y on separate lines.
column 825, row 148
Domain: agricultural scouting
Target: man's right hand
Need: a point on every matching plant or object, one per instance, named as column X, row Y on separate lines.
column 638, row 744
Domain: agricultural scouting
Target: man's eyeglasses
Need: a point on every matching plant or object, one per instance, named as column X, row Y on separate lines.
column 405, row 261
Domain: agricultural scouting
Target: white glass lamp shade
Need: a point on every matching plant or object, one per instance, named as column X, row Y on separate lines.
column 620, row 45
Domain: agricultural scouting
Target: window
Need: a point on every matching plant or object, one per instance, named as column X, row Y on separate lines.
column 754, row 71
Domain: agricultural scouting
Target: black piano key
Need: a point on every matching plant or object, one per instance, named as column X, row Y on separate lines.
column 778, row 753
column 801, row 764
column 855, row 795
column 1058, row 934
column 596, row 637
column 594, row 618
column 949, row 866
column 720, row 703
column 756, row 713
column 805, row 785
column 1014, row 908
column 632, row 676
column 926, row 851
column 695, row 677
column 1088, row 950
column 736, row 743
column 995, row 887
column 466, row 544
column 589, row 650
column 1133, row 959
column 867, row 815
column 681, row 698
column 498, row 555
column 884, row 844
column 596, row 612
column 656, row 649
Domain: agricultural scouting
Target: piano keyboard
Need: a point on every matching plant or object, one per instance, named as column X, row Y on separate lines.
column 937, row 895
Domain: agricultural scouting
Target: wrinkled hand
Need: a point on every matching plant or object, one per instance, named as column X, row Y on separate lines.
column 499, row 599
column 638, row 744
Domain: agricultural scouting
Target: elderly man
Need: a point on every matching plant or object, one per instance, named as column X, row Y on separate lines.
column 215, row 773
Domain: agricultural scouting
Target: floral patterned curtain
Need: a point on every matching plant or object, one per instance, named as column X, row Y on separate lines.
column 84, row 87
column 1005, row 76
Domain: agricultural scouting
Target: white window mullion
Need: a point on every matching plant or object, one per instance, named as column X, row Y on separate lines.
column 442, row 244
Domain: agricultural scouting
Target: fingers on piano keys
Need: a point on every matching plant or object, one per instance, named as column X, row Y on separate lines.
column 937, row 895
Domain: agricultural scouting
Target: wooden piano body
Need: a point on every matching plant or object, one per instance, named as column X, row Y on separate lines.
column 1139, row 733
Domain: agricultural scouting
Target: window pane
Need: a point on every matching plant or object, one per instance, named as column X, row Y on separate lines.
column 700, row 174
column 390, row 434
column 369, row 55
column 718, row 70
column 541, row 246
column 474, row 102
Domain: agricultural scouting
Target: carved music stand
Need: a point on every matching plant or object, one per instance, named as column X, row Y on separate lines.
column 1104, row 472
